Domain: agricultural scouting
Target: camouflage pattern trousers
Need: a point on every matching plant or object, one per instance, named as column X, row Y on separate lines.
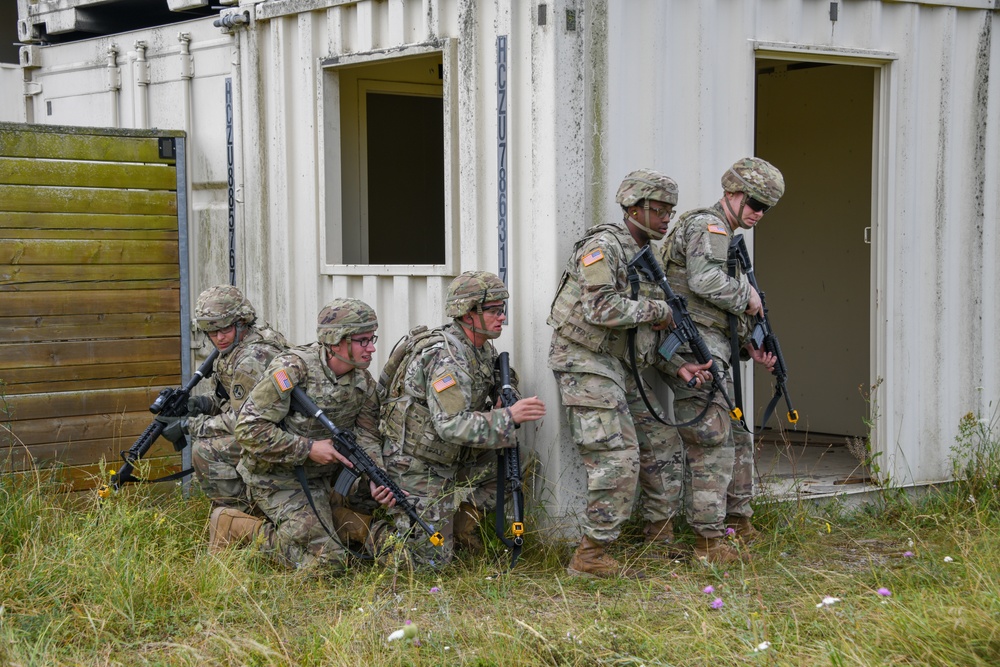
column 214, row 459
column 718, row 473
column 294, row 534
column 624, row 447
column 438, row 490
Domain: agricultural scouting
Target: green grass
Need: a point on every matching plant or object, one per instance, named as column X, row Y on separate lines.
column 128, row 581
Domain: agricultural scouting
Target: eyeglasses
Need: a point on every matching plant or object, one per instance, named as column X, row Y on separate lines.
column 662, row 212
column 365, row 342
column 224, row 331
column 757, row 206
column 496, row 311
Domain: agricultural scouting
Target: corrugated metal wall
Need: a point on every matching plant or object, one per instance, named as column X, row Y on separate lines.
column 599, row 89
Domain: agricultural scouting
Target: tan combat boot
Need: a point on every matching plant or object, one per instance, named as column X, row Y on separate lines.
column 715, row 550
column 662, row 533
column 466, row 529
column 351, row 526
column 589, row 560
column 231, row 527
column 745, row 532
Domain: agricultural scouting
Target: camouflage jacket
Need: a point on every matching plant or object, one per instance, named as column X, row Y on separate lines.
column 694, row 257
column 593, row 310
column 441, row 400
column 276, row 439
column 236, row 373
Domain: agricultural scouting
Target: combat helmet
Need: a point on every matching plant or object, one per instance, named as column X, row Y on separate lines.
column 220, row 306
column 472, row 289
column 342, row 318
column 647, row 184
column 758, row 178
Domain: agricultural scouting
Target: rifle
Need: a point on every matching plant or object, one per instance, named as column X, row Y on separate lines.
column 170, row 403
column 348, row 446
column 763, row 335
column 509, row 472
column 685, row 330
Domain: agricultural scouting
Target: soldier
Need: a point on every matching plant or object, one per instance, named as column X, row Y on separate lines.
column 439, row 421
column 592, row 314
column 277, row 441
column 694, row 256
column 246, row 346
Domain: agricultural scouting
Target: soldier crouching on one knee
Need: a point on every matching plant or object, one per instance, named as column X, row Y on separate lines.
column 439, row 423
column 246, row 346
column 719, row 473
column 277, row 440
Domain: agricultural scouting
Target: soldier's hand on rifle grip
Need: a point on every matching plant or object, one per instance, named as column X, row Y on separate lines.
column 383, row 495
column 199, row 405
column 762, row 357
column 695, row 374
column 527, row 410
column 755, row 307
column 323, row 452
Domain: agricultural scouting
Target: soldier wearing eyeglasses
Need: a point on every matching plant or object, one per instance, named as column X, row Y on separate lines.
column 277, row 440
column 441, row 422
column 719, row 452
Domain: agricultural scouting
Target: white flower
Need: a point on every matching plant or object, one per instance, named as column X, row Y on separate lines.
column 398, row 634
column 949, row 559
column 827, row 601
column 972, row 499
column 909, row 542
column 763, row 646
column 447, row 648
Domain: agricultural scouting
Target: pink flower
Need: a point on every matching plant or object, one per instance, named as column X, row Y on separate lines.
column 884, row 592
column 730, row 532
column 708, row 589
column 716, row 603
column 907, row 554
column 435, row 589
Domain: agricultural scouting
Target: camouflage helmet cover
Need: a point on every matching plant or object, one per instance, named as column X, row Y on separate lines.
column 758, row 178
column 344, row 317
column 472, row 288
column 220, row 306
column 647, row 184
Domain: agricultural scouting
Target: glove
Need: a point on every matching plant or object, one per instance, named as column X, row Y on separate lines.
column 174, row 430
column 200, row 405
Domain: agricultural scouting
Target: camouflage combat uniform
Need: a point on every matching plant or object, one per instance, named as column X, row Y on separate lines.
column 276, row 440
column 694, row 255
column 214, row 449
column 591, row 315
column 440, row 429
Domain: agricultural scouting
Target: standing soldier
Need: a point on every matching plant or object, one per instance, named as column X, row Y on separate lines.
column 695, row 255
column 440, row 422
column 278, row 442
column 592, row 314
column 246, row 346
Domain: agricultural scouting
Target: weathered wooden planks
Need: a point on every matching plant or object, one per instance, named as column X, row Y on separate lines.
column 65, row 173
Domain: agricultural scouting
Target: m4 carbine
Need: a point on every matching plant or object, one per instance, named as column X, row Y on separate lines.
column 172, row 402
column 685, row 330
column 348, row 446
column 509, row 472
column 763, row 335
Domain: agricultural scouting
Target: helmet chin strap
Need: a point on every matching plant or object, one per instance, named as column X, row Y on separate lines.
column 349, row 360
column 239, row 330
column 654, row 234
column 482, row 321
column 738, row 217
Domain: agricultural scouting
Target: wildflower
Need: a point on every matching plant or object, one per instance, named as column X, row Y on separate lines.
column 763, row 646
column 949, row 559
column 972, row 499
column 909, row 542
column 730, row 532
column 408, row 631
column 827, row 601
column 435, row 589
column 907, row 554
column 884, row 592
column 717, row 603
column 708, row 589
column 447, row 648
column 829, row 528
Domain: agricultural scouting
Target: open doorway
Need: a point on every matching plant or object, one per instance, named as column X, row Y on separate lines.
column 815, row 121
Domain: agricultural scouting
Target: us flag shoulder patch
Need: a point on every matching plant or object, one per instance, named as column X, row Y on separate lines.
column 444, row 382
column 717, row 229
column 282, row 380
column 592, row 257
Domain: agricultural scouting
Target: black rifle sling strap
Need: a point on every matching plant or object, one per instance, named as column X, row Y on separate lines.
column 633, row 280
column 300, row 474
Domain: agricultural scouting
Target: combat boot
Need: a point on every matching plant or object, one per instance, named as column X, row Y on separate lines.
column 231, row 527
column 715, row 550
column 745, row 532
column 589, row 560
column 662, row 533
column 351, row 526
column 466, row 529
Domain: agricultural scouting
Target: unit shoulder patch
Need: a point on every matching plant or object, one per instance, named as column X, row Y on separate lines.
column 444, row 382
column 239, row 393
column 592, row 257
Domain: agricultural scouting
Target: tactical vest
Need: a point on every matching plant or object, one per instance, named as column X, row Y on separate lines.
column 404, row 419
column 566, row 312
column 702, row 312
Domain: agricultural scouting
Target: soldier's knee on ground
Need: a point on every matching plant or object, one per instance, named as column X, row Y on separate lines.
column 351, row 526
